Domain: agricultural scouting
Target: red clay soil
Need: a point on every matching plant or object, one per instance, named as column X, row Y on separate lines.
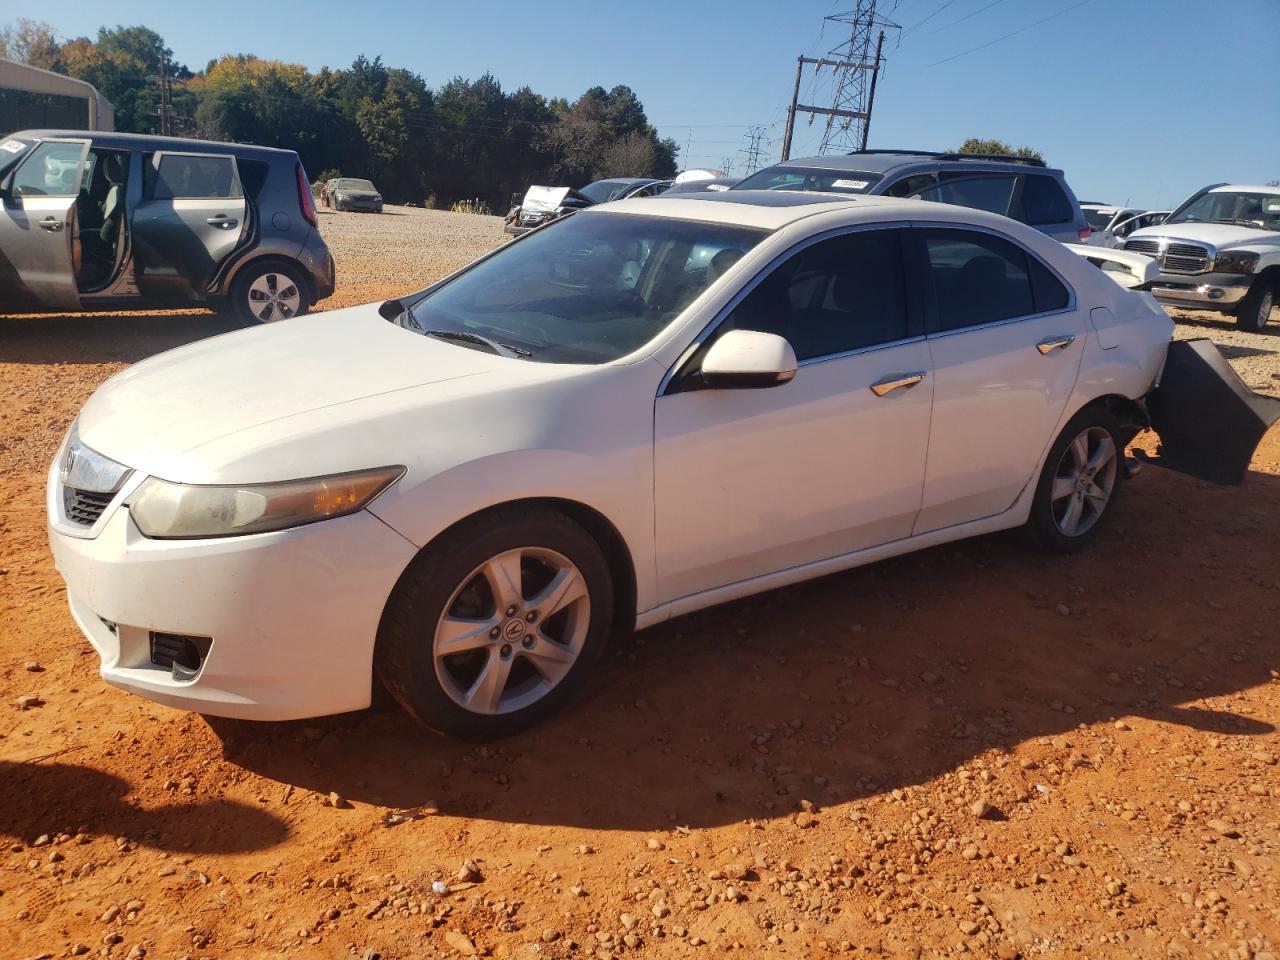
column 976, row 749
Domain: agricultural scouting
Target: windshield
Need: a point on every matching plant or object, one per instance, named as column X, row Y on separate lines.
column 604, row 190
column 807, row 178
column 1098, row 219
column 1260, row 210
column 587, row 289
column 356, row 185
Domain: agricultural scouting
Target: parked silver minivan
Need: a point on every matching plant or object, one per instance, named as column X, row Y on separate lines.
column 110, row 221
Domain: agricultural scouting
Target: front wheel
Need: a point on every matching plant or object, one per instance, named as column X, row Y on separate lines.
column 497, row 624
column 264, row 293
column 1254, row 311
column 1079, row 482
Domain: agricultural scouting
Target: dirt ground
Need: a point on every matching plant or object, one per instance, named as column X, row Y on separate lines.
column 975, row 749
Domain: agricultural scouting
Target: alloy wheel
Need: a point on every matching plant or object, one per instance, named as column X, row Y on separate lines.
column 512, row 631
column 273, row 296
column 1084, row 481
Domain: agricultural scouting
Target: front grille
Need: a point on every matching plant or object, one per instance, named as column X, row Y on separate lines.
column 84, row 506
column 1150, row 247
column 1186, row 258
column 1177, row 258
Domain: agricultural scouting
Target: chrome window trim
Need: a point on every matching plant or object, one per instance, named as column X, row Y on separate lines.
column 687, row 354
column 875, row 347
column 975, row 228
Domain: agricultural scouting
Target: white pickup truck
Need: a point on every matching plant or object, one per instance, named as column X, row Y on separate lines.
column 1219, row 251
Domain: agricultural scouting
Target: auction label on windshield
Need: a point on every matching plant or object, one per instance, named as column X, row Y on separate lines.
column 851, row 184
column 13, row 146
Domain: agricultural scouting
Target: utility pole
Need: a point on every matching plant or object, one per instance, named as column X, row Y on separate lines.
column 752, row 150
column 871, row 97
column 166, row 109
column 854, row 72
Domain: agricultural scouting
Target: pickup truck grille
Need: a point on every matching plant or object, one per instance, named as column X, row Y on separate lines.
column 1177, row 257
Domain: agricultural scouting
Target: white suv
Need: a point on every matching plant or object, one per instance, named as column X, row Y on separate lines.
column 1219, row 251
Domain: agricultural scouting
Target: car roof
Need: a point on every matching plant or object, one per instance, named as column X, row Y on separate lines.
column 627, row 180
column 1246, row 188
column 774, row 209
column 144, row 141
column 883, row 163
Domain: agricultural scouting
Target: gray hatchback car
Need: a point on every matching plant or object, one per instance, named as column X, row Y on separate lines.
column 110, row 221
column 1022, row 189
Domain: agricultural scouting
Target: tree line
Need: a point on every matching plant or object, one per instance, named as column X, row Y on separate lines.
column 466, row 139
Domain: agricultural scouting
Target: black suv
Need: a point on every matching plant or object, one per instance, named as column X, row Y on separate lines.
column 1022, row 189
column 110, row 221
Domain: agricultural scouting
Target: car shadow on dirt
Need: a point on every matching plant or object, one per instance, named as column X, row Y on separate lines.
column 49, row 798
column 861, row 682
column 103, row 338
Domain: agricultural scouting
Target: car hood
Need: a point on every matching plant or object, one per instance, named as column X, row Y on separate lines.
column 154, row 414
column 1220, row 235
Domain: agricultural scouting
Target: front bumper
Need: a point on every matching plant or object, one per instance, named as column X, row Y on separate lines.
column 1203, row 292
column 292, row 615
column 371, row 206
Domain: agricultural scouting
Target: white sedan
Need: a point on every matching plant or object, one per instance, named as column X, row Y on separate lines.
column 638, row 411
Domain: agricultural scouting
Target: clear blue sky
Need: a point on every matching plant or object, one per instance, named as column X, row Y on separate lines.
column 1137, row 100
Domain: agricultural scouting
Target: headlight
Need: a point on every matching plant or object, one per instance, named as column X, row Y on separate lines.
column 1235, row 261
column 173, row 511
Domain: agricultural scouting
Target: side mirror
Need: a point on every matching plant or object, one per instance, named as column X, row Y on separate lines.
column 748, row 359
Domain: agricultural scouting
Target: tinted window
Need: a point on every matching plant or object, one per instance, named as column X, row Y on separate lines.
column 1044, row 201
column 910, row 186
column 980, row 193
column 51, row 170
column 1046, row 289
column 978, row 278
column 184, row 176
column 837, row 295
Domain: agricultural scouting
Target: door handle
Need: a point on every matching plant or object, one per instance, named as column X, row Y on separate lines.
column 223, row 221
column 1050, row 344
column 898, row 381
column 51, row 223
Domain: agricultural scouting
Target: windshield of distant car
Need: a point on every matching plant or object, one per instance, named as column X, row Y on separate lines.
column 364, row 185
column 603, row 191
column 1098, row 219
column 807, row 178
column 1260, row 210
column 589, row 288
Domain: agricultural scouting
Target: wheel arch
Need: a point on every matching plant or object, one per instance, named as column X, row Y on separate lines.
column 622, row 568
column 234, row 274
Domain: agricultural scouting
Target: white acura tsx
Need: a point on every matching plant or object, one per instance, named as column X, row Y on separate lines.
column 640, row 410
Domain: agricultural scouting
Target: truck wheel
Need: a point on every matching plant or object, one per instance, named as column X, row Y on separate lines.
column 1255, row 309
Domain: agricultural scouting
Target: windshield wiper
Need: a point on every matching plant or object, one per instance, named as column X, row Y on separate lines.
column 466, row 336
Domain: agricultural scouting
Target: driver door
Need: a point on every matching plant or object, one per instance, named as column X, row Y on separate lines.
column 752, row 481
column 38, row 227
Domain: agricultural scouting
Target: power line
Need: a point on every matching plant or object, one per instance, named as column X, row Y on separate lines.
column 1012, row 33
column 916, row 26
column 967, row 16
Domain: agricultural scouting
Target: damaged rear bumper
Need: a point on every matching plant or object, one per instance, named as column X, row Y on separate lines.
column 1208, row 420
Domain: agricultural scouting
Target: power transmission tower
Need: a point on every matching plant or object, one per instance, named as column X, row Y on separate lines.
column 855, row 70
column 752, row 149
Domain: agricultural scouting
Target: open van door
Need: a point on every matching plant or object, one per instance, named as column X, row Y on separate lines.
column 1208, row 420
column 38, row 246
column 192, row 216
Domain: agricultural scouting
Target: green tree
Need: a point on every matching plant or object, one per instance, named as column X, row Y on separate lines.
column 998, row 147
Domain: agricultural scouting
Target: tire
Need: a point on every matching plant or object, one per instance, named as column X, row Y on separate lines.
column 1065, row 514
column 1255, row 309
column 495, row 685
column 254, row 286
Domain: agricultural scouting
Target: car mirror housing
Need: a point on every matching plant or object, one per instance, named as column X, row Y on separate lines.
column 748, row 359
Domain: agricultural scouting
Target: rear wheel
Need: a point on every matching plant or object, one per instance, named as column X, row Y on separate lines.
column 497, row 624
column 264, row 293
column 1079, row 482
column 1255, row 309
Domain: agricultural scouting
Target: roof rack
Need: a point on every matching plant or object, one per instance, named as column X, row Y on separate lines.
column 952, row 155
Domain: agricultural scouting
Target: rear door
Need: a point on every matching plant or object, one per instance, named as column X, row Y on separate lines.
column 992, row 192
column 1043, row 203
column 38, row 247
column 1005, row 339
column 192, row 216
